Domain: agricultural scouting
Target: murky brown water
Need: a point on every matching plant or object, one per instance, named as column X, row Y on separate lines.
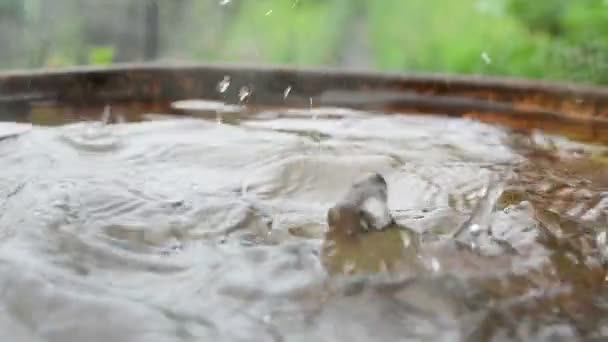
column 190, row 230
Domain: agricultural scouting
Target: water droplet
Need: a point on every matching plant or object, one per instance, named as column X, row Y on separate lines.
column 224, row 84
column 349, row 267
column 286, row 92
column 268, row 13
column 602, row 239
column 435, row 265
column 473, row 246
column 106, row 115
column 244, row 93
column 224, row 2
column 314, row 114
column 486, row 58
column 474, row 228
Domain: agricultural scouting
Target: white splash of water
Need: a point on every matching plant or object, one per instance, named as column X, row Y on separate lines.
column 224, row 2
column 223, row 85
column 474, row 228
column 601, row 239
column 244, row 93
column 314, row 115
column 219, row 119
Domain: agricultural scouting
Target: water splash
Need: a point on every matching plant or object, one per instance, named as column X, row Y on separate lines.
column 106, row 115
column 223, row 85
column 481, row 215
column 219, row 118
column 244, row 93
column 314, row 115
column 435, row 265
column 225, row 2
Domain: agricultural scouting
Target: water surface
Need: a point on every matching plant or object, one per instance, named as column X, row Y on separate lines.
column 199, row 229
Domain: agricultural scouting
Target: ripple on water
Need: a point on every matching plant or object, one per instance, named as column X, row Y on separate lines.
column 199, row 231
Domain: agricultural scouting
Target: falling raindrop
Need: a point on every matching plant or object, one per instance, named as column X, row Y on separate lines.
column 268, row 13
column 314, row 115
column 244, row 93
column 486, row 58
column 286, row 92
column 223, row 85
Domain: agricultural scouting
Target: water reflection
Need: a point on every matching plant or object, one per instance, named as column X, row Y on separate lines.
column 200, row 231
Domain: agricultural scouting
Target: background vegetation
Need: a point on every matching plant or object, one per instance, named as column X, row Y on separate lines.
column 548, row 39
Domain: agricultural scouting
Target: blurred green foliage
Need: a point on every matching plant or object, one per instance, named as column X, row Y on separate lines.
column 548, row 39
column 101, row 55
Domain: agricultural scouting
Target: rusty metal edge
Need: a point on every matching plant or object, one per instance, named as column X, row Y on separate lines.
column 497, row 82
column 329, row 77
column 159, row 84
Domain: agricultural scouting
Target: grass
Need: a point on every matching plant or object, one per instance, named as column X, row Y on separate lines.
column 453, row 37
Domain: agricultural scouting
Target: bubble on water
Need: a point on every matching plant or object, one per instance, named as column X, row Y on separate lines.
column 224, row 2
column 269, row 12
column 486, row 58
column 244, row 93
column 223, row 85
column 286, row 92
